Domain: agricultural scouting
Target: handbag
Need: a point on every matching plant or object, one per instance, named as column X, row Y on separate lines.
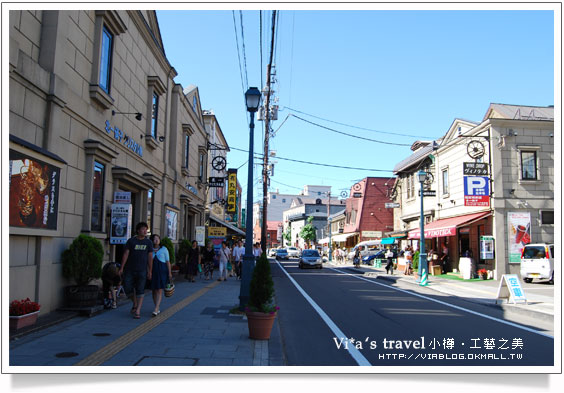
column 169, row 289
column 199, row 267
column 229, row 267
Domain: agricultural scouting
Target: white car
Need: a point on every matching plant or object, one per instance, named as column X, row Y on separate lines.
column 537, row 261
column 293, row 252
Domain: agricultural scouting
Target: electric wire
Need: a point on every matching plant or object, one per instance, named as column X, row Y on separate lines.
column 360, row 128
column 238, row 53
column 244, row 51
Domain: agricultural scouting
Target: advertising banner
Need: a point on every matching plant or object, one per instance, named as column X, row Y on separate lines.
column 34, row 192
column 120, row 229
column 171, row 223
column 201, row 235
column 519, row 232
column 231, row 191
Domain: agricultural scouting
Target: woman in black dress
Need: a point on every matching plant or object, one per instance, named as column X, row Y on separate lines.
column 208, row 255
column 192, row 261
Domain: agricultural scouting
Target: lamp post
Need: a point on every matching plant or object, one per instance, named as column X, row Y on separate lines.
column 252, row 100
column 422, row 255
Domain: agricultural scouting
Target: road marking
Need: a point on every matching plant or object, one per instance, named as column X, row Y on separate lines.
column 355, row 353
column 450, row 305
column 110, row 350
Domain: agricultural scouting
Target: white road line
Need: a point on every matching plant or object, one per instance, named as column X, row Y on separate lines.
column 355, row 353
column 449, row 305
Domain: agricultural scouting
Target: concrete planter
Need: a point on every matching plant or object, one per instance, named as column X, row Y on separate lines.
column 21, row 321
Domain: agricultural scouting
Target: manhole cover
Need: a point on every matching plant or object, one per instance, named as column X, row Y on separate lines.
column 101, row 334
column 66, row 354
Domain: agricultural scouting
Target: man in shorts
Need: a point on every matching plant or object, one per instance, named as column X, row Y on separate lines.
column 137, row 266
column 238, row 252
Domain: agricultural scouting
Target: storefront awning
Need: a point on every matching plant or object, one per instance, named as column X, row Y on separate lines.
column 446, row 226
column 342, row 237
column 388, row 240
column 228, row 226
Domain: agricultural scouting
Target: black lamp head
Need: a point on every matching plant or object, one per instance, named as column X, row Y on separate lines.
column 138, row 116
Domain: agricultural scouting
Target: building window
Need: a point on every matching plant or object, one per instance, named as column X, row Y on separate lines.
column 186, row 150
column 273, row 196
column 529, row 165
column 97, row 197
column 283, row 200
column 194, row 104
column 202, row 167
column 547, row 217
column 154, row 115
column 150, row 209
column 106, row 59
column 445, row 181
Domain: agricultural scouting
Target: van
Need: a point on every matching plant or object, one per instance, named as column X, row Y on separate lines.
column 367, row 247
column 537, row 261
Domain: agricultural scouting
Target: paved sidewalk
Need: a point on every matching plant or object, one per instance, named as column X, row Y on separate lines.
column 483, row 291
column 195, row 328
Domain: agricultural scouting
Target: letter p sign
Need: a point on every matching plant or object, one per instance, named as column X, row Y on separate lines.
column 475, row 185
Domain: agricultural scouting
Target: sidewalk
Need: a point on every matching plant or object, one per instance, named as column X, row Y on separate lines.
column 482, row 291
column 195, row 328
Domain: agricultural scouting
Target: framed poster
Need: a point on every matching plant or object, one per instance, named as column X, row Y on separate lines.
column 486, row 247
column 519, row 233
column 120, row 230
column 34, row 192
column 171, row 223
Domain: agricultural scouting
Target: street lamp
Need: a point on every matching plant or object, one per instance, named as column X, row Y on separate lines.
column 422, row 175
column 252, row 100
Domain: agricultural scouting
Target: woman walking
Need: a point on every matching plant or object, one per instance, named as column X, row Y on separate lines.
column 161, row 272
column 208, row 255
column 192, row 261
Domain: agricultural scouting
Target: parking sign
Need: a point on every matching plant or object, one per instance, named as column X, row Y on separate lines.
column 476, row 191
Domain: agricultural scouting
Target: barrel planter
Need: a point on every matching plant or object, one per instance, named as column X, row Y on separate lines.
column 21, row 321
column 260, row 324
column 81, row 296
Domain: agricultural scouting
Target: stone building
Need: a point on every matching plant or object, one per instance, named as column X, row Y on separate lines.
column 95, row 118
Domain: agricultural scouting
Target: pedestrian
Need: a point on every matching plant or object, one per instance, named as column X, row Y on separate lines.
column 238, row 252
column 257, row 251
column 390, row 266
column 136, row 267
column 162, row 273
column 444, row 259
column 110, row 281
column 408, row 260
column 224, row 258
column 356, row 258
column 191, row 261
column 208, row 256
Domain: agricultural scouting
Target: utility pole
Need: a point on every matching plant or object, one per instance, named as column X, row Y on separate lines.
column 265, row 179
column 329, row 224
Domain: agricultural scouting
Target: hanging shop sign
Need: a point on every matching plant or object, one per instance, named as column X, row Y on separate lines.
column 231, row 190
column 217, row 231
column 391, row 205
column 34, row 192
column 122, row 137
column 510, row 289
column 377, row 234
column 216, row 181
column 519, row 232
column 475, row 169
column 486, row 247
column 476, row 191
column 120, row 229
column 122, row 197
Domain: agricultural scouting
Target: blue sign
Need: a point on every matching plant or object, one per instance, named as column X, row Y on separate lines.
column 476, row 186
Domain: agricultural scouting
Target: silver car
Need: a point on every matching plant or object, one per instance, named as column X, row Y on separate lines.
column 293, row 252
column 310, row 258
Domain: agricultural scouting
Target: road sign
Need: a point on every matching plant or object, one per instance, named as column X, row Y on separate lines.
column 428, row 193
column 476, row 191
column 357, row 195
column 392, row 205
column 216, row 181
column 476, row 169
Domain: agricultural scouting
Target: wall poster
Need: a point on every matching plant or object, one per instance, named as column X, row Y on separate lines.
column 171, row 223
column 34, row 192
column 519, row 232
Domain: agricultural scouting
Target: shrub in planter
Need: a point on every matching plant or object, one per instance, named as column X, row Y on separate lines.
column 261, row 291
column 183, row 248
column 166, row 242
column 82, row 263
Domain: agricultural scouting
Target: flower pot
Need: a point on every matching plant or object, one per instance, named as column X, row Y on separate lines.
column 260, row 324
column 20, row 321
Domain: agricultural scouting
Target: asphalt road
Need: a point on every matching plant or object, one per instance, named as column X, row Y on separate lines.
column 352, row 320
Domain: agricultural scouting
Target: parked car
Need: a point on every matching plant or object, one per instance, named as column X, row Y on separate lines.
column 537, row 261
column 310, row 258
column 282, row 253
column 272, row 252
column 368, row 247
column 293, row 252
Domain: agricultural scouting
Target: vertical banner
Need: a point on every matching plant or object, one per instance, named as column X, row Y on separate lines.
column 519, row 232
column 171, row 223
column 34, row 192
column 201, row 235
column 120, row 223
column 231, row 191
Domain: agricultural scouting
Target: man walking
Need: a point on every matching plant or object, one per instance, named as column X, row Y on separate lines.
column 390, row 266
column 224, row 257
column 444, row 259
column 137, row 266
column 238, row 252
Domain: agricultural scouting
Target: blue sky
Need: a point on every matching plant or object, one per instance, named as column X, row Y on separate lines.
column 391, row 72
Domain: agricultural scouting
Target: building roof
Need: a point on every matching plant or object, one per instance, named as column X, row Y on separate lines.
column 520, row 112
column 339, row 213
column 413, row 159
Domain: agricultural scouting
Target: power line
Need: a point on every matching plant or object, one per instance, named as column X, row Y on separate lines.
column 318, row 164
column 351, row 135
column 360, row 128
column 244, row 51
column 238, row 53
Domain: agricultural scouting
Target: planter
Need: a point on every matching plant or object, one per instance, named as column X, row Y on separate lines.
column 81, row 296
column 260, row 324
column 20, row 321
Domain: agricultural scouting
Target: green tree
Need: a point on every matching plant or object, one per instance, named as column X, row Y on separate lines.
column 308, row 231
column 261, row 291
column 288, row 235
